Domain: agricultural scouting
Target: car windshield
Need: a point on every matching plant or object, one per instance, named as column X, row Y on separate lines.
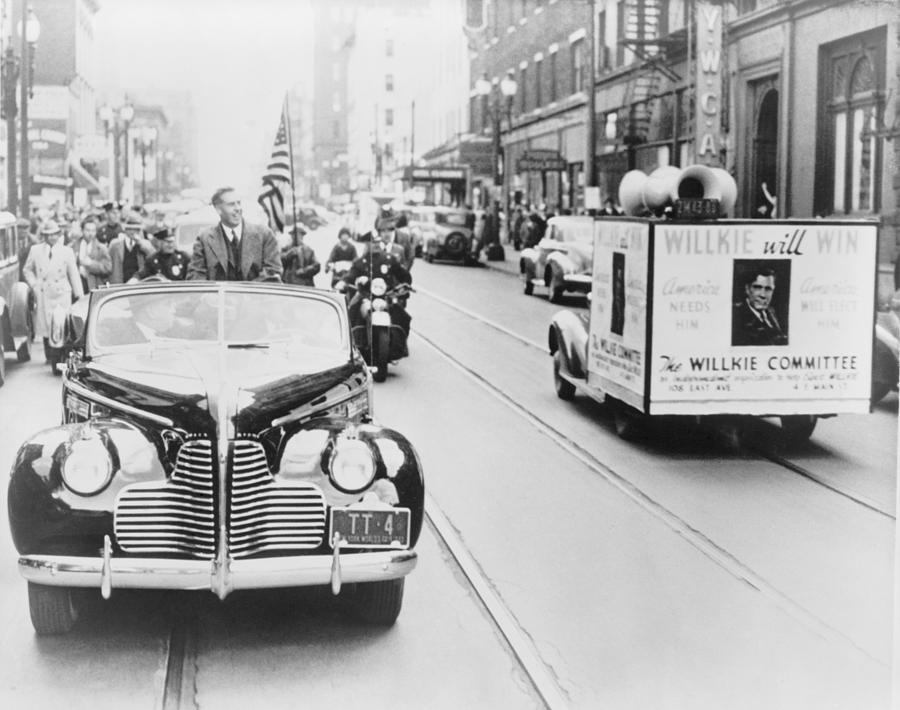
column 237, row 318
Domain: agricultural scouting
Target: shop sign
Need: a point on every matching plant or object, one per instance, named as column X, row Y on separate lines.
column 709, row 83
column 435, row 174
column 540, row 159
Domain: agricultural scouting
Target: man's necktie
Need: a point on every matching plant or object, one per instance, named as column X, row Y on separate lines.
column 235, row 250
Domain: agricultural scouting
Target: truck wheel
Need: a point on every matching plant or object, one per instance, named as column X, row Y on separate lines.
column 798, row 428
column 53, row 609
column 564, row 389
column 381, row 346
column 627, row 422
column 379, row 603
column 23, row 353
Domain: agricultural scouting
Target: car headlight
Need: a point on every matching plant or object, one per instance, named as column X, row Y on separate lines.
column 379, row 304
column 352, row 466
column 379, row 287
column 87, row 468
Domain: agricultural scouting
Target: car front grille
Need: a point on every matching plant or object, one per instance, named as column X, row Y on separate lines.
column 178, row 515
column 175, row 516
column 269, row 516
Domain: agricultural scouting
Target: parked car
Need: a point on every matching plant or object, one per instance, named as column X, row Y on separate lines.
column 216, row 435
column 562, row 260
column 16, row 299
column 445, row 233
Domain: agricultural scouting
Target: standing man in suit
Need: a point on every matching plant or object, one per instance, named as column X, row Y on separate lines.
column 234, row 250
column 129, row 250
column 52, row 273
column 92, row 256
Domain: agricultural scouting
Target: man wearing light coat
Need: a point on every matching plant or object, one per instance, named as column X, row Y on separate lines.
column 52, row 273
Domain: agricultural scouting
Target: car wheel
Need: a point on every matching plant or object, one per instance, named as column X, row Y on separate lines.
column 379, row 603
column 556, row 289
column 880, row 390
column 798, row 428
column 53, row 609
column 24, row 351
column 381, row 348
column 564, row 389
column 455, row 245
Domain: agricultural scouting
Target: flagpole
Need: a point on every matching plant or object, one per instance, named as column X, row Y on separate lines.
column 287, row 120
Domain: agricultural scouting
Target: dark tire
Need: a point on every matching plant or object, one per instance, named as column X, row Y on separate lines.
column 798, row 428
column 379, row 603
column 381, row 348
column 627, row 422
column 529, row 286
column 455, row 245
column 23, row 353
column 880, row 390
column 556, row 289
column 564, row 389
column 429, row 257
column 53, row 609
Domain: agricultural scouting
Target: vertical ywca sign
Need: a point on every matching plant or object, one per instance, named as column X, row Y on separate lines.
column 708, row 83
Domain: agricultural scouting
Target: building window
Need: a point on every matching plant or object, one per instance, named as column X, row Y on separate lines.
column 538, row 66
column 389, row 48
column 388, row 82
column 577, row 50
column 389, row 117
column 848, row 179
column 523, row 89
column 553, row 77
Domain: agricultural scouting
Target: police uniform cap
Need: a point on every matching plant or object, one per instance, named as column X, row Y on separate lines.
column 162, row 234
column 107, row 206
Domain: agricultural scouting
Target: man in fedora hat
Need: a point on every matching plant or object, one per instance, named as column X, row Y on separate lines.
column 129, row 250
column 52, row 273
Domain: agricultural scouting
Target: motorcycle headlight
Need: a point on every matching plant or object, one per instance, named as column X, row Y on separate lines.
column 87, row 468
column 379, row 287
column 379, row 304
column 352, row 467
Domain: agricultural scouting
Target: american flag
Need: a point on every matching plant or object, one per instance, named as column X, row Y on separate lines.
column 277, row 180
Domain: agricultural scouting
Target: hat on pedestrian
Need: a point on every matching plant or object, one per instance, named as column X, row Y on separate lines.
column 162, row 234
column 50, row 227
column 107, row 206
column 133, row 221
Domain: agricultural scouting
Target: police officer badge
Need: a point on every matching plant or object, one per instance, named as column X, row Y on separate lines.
column 384, row 268
column 176, row 269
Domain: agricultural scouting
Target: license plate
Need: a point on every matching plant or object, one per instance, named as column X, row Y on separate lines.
column 359, row 527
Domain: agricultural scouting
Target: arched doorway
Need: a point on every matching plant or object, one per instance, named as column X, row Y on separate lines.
column 764, row 154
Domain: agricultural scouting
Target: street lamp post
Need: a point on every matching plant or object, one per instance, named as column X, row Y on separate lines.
column 497, row 101
column 148, row 137
column 116, row 121
column 30, row 30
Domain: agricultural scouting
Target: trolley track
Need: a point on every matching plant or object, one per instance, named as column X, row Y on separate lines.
column 679, row 525
column 765, row 448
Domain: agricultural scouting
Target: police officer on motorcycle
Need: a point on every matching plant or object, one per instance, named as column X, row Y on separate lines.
column 379, row 261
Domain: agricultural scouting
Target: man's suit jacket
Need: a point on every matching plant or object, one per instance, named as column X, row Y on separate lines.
column 747, row 328
column 260, row 255
column 117, row 256
column 95, row 272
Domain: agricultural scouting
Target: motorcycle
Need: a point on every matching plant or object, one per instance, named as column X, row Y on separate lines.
column 339, row 270
column 379, row 322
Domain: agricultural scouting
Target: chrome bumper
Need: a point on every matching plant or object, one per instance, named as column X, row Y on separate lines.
column 109, row 573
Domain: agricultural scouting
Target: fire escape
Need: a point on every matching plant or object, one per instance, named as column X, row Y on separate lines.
column 643, row 31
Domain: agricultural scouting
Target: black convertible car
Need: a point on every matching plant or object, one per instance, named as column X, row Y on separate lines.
column 216, row 436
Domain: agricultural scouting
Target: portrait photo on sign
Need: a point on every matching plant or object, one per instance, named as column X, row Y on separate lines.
column 760, row 301
column 617, row 322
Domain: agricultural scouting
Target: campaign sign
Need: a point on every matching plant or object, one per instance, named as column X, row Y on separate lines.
column 618, row 333
column 762, row 317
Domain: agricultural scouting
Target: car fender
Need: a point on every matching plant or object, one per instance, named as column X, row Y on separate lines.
column 20, row 309
column 41, row 507
column 568, row 334
column 561, row 262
